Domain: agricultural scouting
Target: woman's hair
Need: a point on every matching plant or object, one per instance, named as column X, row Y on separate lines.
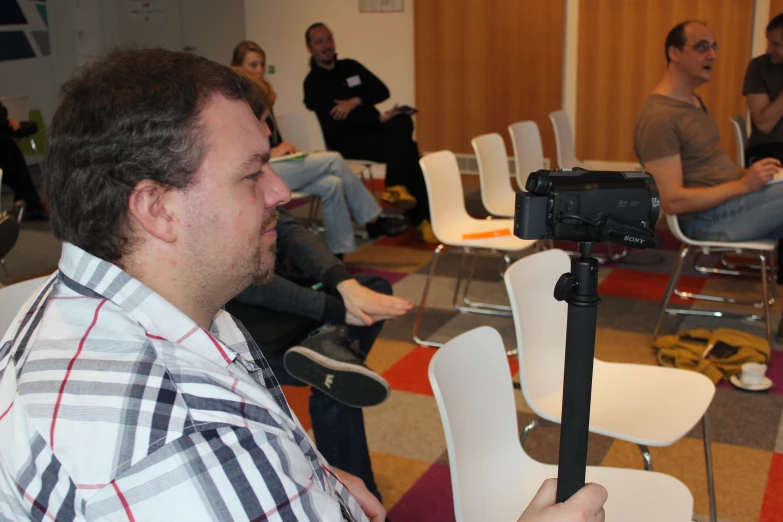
column 259, row 89
column 241, row 50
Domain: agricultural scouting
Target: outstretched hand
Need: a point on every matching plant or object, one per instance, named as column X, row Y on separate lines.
column 586, row 505
column 364, row 307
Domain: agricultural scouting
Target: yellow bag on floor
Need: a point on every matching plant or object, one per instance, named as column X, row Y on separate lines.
column 687, row 350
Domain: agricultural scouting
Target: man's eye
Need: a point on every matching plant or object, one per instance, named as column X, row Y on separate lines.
column 254, row 176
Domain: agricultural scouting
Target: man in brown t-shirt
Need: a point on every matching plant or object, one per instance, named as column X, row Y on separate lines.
column 763, row 87
column 677, row 141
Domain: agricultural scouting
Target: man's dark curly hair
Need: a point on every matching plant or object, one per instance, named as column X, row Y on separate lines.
column 129, row 116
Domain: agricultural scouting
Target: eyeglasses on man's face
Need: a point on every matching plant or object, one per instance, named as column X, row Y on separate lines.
column 703, row 47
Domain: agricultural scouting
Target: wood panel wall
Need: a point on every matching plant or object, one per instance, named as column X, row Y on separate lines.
column 775, row 8
column 621, row 58
column 483, row 64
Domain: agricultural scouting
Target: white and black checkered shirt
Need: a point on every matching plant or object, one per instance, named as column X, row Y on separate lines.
column 114, row 405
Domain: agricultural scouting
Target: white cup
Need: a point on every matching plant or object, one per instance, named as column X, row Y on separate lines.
column 752, row 374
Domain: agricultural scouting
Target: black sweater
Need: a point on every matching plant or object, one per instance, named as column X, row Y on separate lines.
column 346, row 80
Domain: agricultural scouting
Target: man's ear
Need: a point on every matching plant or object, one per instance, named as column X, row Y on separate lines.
column 674, row 53
column 149, row 206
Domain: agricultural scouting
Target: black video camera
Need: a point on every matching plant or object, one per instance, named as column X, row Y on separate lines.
column 586, row 206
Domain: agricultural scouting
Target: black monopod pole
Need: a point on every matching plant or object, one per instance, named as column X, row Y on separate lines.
column 579, row 289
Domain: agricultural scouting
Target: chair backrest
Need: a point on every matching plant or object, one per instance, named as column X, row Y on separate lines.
column 471, row 381
column 674, row 227
column 497, row 194
column 13, row 297
column 297, row 129
column 539, row 321
column 528, row 150
column 740, row 137
column 444, row 191
column 18, row 106
column 564, row 140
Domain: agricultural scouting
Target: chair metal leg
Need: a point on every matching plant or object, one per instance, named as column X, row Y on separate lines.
column 424, row 294
column 710, row 479
column 765, row 295
column 475, row 307
column 670, row 288
column 646, row 456
column 533, row 424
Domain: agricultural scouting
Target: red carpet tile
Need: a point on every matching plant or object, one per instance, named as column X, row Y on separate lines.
column 649, row 286
column 410, row 373
column 429, row 499
column 772, row 508
column 298, row 398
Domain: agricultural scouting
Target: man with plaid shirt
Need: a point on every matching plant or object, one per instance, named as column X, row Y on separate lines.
column 126, row 392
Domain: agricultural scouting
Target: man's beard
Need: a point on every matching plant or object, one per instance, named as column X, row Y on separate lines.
column 264, row 270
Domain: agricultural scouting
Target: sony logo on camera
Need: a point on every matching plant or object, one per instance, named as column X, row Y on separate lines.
column 631, row 239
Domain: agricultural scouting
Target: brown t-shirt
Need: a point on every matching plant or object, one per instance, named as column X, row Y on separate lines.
column 764, row 77
column 667, row 127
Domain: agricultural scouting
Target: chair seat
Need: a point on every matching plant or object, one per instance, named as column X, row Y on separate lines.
column 638, row 403
column 455, row 229
column 766, row 245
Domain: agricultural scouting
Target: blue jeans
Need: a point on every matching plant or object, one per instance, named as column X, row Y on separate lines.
column 754, row 216
column 342, row 193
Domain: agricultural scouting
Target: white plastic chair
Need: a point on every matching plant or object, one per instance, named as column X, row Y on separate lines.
column 497, row 194
column 643, row 404
column 492, row 477
column 13, row 297
column 19, row 109
column 564, row 141
column 566, row 159
column 528, row 150
column 740, row 128
column 762, row 249
column 450, row 222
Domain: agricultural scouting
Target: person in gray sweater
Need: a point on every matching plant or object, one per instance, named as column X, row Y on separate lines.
column 316, row 323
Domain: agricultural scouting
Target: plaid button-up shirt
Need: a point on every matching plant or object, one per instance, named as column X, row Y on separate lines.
column 114, row 405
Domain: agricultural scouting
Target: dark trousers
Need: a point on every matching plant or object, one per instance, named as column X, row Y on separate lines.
column 15, row 173
column 752, row 155
column 391, row 143
column 338, row 429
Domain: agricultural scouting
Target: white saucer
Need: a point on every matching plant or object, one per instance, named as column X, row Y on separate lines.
column 764, row 385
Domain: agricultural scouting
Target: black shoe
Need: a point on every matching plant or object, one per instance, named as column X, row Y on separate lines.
column 386, row 227
column 329, row 362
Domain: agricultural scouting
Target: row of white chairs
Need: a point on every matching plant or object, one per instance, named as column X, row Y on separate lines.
column 455, row 228
column 493, row 478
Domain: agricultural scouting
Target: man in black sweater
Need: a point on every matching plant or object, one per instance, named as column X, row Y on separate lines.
column 343, row 94
column 319, row 332
column 14, row 167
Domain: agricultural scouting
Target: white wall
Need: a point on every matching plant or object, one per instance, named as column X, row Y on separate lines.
column 382, row 42
column 40, row 77
column 82, row 29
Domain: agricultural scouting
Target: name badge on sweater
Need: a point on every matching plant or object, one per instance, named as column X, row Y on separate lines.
column 353, row 81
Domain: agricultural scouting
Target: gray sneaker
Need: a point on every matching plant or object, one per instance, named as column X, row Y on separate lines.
column 329, row 362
